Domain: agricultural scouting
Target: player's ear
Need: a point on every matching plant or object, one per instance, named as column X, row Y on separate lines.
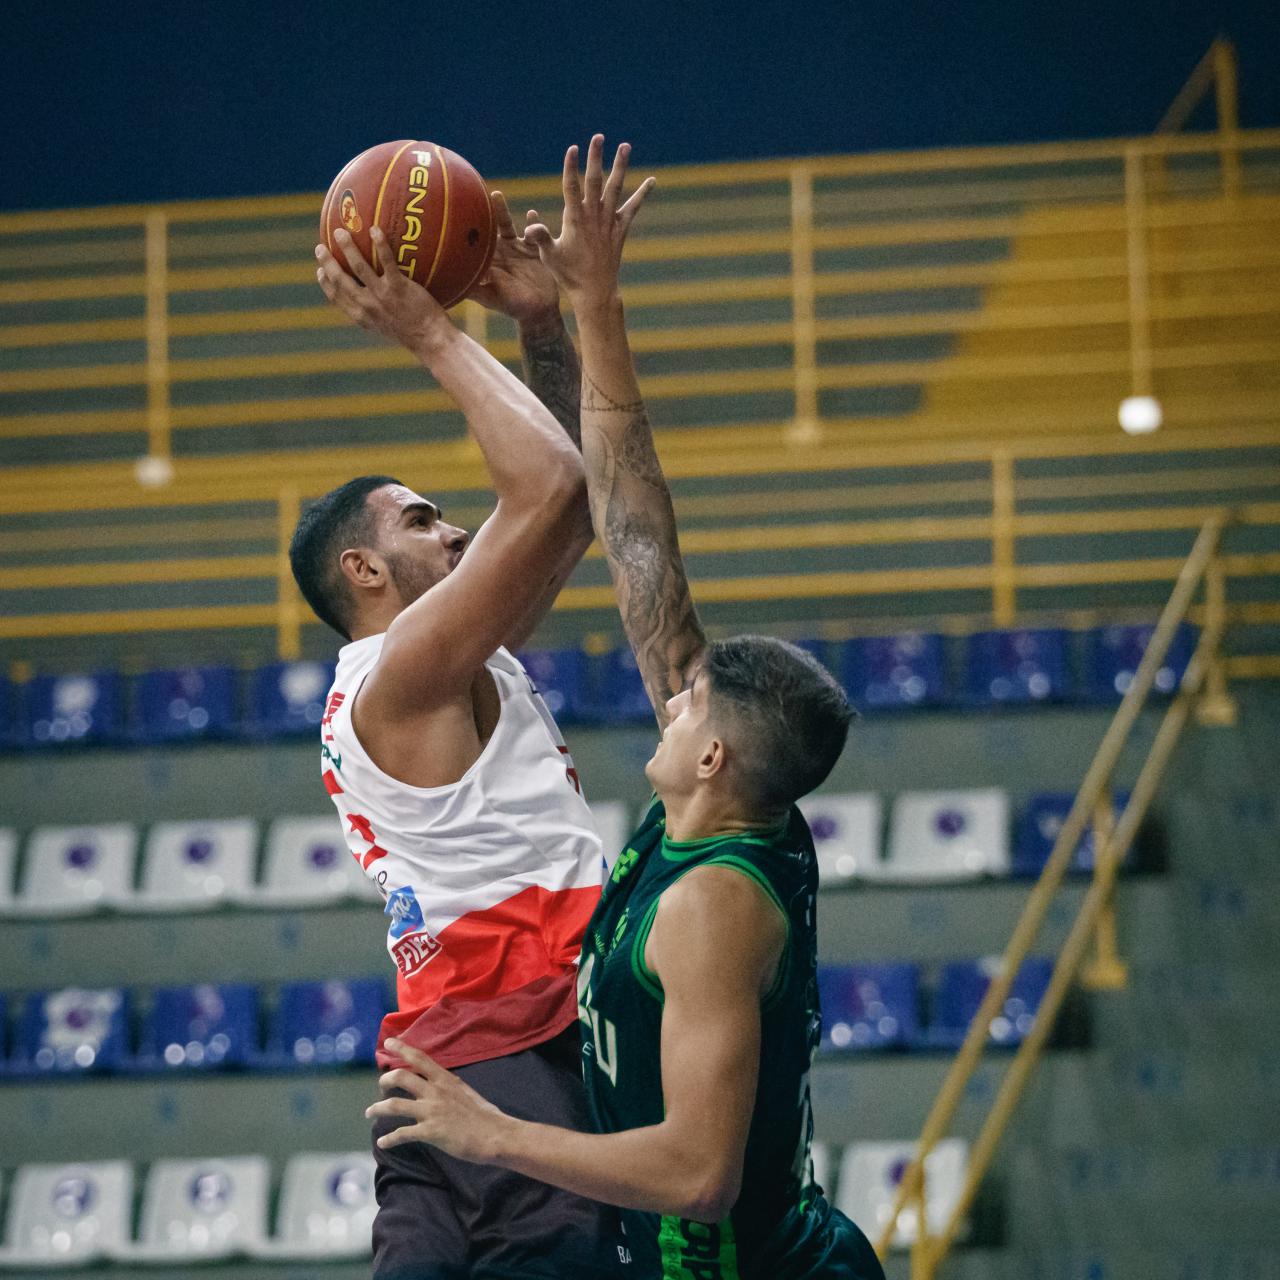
column 363, row 567
column 712, row 761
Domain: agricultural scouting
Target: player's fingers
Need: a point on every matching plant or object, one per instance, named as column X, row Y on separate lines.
column 406, row 1133
column 418, row 1060
column 539, row 235
column 355, row 259
column 570, row 182
column 626, row 215
column 400, row 1078
column 502, row 216
column 593, row 184
column 390, row 1107
column 617, row 176
column 383, row 255
column 532, row 215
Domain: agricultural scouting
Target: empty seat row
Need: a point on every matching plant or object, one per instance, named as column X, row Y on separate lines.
column 195, row 1028
column 286, row 699
column 940, row 836
column 863, row 1180
column 198, row 865
column 73, row 1215
column 933, row 836
column 886, row 1006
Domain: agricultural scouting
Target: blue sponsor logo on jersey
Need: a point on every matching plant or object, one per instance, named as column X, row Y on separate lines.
column 405, row 913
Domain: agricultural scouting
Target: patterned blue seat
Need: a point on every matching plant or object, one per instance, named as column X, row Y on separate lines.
column 1113, row 655
column 560, row 676
column 961, row 988
column 327, row 1023
column 869, row 1006
column 287, row 699
column 73, row 709
column 202, row 1027
column 1038, row 827
column 186, row 703
column 883, row 673
column 71, row 1032
column 1017, row 667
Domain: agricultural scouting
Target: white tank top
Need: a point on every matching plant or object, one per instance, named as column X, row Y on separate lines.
column 489, row 881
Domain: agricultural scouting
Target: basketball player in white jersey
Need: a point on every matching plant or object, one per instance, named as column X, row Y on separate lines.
column 454, row 786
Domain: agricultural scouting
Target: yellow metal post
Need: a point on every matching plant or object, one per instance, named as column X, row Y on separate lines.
column 1135, row 208
column 1003, row 546
column 1106, row 971
column 805, row 429
column 1227, row 93
column 1216, row 706
column 288, row 601
column 157, row 328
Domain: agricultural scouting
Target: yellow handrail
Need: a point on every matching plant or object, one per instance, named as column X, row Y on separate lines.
column 929, row 1250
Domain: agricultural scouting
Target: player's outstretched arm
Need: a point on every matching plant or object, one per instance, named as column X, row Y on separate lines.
column 630, row 501
column 519, row 285
column 715, row 947
column 536, row 472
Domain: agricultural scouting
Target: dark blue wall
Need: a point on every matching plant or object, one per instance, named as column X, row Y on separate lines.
column 142, row 101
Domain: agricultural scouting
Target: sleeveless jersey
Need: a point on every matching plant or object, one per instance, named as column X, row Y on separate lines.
column 775, row 1229
column 488, row 881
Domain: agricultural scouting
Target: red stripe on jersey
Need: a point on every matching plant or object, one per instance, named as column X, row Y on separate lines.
column 331, row 783
column 505, row 970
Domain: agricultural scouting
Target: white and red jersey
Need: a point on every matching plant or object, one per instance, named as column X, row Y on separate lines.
column 489, row 881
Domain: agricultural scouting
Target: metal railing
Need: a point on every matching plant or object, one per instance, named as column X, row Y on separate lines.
column 1203, row 684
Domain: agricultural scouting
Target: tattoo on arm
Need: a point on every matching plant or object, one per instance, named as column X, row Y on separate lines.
column 637, row 526
column 551, row 370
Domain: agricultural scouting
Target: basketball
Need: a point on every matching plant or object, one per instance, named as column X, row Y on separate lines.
column 430, row 203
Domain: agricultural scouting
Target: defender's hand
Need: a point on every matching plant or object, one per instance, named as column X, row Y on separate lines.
column 518, row 283
column 585, row 257
column 389, row 304
column 445, row 1112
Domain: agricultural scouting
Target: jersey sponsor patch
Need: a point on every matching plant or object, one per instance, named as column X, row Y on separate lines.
column 414, row 946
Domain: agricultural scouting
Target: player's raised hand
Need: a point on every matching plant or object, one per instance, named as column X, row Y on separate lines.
column 518, row 283
column 587, row 253
column 387, row 303
column 444, row 1111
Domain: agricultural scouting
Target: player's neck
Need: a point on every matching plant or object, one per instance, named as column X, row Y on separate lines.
column 704, row 814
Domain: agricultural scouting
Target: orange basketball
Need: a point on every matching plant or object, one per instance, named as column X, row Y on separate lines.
column 430, row 203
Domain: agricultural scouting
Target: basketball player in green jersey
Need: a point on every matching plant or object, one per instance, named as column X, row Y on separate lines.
column 697, row 990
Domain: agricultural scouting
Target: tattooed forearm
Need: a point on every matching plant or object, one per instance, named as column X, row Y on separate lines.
column 595, row 400
column 551, row 370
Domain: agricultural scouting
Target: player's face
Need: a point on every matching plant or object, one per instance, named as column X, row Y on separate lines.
column 673, row 768
column 420, row 547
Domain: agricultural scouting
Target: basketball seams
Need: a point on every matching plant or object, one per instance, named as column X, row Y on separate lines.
column 382, row 189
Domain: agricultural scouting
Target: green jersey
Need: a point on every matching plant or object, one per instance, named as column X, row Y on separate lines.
column 779, row 1225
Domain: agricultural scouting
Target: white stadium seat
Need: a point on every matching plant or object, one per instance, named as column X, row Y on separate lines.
column 307, row 863
column 202, row 1209
column 8, row 861
column 820, row 1154
column 190, row 866
column 77, row 870
column 870, row 1173
column 846, row 835
column 326, row 1208
column 948, row 835
column 67, row 1215
column 614, row 822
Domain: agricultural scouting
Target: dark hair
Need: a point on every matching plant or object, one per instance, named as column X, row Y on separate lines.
column 326, row 528
column 789, row 718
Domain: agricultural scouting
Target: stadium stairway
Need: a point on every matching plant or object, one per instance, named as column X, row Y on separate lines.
column 1150, row 1149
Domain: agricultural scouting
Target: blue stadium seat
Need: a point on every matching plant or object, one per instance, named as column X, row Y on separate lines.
column 1037, row 829
column 1113, row 654
column 71, row 1032
column 68, row 710
column 961, row 988
column 621, row 695
column 1017, row 667
column 326, row 1023
column 869, row 1006
column 8, row 714
column 187, row 703
column 202, row 1027
column 883, row 673
column 560, row 676
column 287, row 699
